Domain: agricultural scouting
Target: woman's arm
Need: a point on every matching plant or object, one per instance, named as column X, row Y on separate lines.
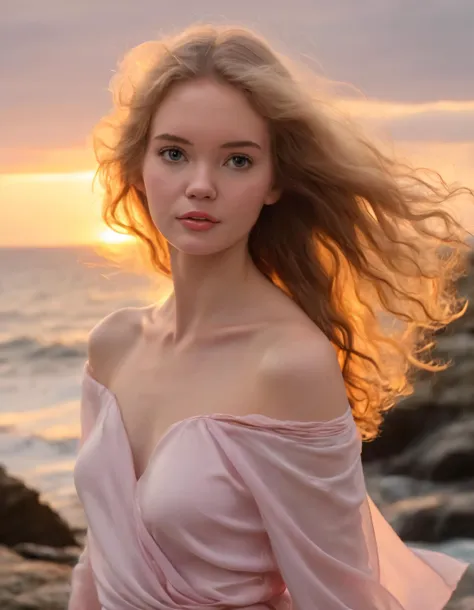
column 83, row 589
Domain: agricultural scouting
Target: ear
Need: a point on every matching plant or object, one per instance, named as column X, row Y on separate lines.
column 273, row 196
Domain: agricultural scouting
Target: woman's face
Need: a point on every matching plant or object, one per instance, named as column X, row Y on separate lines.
column 209, row 151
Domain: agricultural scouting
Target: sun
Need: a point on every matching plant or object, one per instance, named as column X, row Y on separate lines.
column 111, row 237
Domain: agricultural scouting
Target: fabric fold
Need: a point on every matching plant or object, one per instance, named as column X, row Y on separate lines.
column 334, row 548
column 243, row 512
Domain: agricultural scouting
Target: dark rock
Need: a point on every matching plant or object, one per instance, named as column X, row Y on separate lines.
column 23, row 518
column 433, row 518
column 438, row 399
column 407, row 423
column 446, row 454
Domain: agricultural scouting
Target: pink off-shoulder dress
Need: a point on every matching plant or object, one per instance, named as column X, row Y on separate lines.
column 240, row 512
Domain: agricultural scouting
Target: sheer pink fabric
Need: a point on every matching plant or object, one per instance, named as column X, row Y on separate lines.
column 243, row 512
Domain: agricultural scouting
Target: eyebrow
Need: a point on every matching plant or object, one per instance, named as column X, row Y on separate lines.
column 234, row 144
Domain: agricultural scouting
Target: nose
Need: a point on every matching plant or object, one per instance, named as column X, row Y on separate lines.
column 201, row 185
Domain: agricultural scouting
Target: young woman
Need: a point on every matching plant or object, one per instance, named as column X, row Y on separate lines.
column 220, row 455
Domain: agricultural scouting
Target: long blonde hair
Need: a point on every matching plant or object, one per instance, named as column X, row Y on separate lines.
column 351, row 239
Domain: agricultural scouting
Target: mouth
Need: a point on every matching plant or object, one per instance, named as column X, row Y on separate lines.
column 198, row 217
column 197, row 224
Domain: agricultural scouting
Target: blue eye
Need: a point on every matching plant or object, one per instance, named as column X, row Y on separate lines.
column 174, row 155
column 247, row 161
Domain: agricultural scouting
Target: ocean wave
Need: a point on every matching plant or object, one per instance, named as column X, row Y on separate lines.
column 32, row 349
column 36, row 447
column 11, row 442
column 61, row 446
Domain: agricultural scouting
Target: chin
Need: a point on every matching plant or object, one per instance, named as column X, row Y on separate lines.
column 204, row 245
column 198, row 247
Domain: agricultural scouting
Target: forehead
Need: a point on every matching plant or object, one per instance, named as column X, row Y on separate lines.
column 211, row 111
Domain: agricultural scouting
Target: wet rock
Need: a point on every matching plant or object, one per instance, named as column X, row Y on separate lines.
column 433, row 518
column 24, row 518
column 446, row 454
column 32, row 585
column 67, row 555
column 387, row 489
column 409, row 422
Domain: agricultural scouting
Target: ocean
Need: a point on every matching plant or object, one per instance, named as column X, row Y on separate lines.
column 50, row 299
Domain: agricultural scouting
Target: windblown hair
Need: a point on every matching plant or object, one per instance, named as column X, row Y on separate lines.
column 358, row 239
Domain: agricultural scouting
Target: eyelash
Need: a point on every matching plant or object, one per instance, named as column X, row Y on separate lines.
column 175, row 148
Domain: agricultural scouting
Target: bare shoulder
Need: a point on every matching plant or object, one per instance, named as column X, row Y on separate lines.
column 299, row 377
column 112, row 338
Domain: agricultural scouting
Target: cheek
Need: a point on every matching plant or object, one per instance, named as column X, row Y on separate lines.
column 251, row 193
column 160, row 193
column 155, row 180
column 243, row 208
column 159, row 188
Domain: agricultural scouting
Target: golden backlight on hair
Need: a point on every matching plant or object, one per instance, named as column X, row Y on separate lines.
column 359, row 239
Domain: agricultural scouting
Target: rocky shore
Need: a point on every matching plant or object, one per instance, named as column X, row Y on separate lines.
column 37, row 550
column 420, row 472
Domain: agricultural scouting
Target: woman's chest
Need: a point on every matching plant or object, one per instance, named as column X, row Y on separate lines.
column 154, row 394
column 188, row 484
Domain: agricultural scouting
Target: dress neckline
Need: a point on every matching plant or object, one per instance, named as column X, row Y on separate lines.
column 250, row 420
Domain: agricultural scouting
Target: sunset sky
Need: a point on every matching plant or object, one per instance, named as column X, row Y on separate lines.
column 414, row 62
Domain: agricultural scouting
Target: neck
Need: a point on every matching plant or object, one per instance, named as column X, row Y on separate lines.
column 211, row 292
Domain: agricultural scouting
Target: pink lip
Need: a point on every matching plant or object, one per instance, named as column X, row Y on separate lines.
column 197, row 225
column 198, row 214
